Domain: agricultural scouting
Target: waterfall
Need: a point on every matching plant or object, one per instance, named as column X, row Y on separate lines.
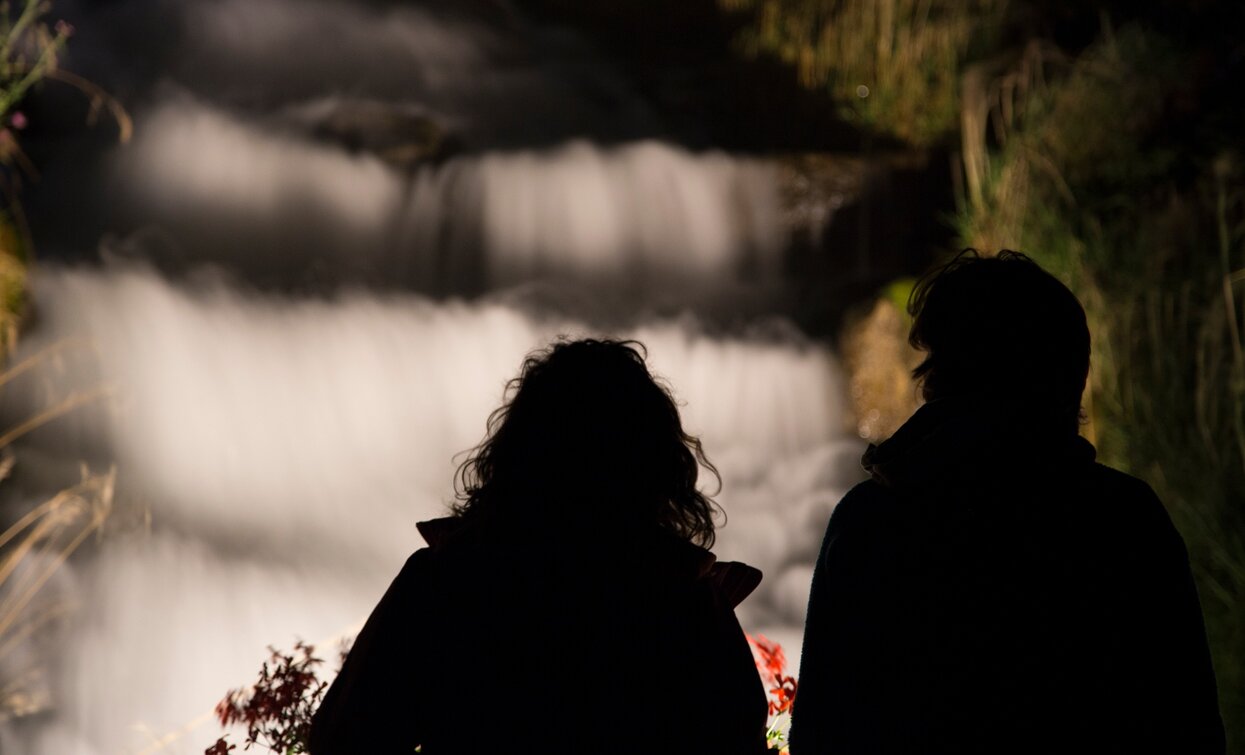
column 277, row 443
column 283, row 450
column 646, row 213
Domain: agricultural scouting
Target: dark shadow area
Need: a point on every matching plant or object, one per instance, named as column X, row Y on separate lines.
column 992, row 588
column 681, row 57
column 892, row 225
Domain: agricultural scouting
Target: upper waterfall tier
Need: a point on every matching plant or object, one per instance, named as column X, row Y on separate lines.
column 273, row 205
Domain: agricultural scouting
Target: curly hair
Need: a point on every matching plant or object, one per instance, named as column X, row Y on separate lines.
column 1001, row 326
column 586, row 429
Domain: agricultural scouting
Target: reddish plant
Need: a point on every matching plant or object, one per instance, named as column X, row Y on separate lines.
column 772, row 665
column 277, row 709
column 221, row 747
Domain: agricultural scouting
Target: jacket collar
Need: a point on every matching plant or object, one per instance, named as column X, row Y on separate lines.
column 964, row 439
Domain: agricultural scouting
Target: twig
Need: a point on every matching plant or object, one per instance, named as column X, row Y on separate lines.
column 74, row 401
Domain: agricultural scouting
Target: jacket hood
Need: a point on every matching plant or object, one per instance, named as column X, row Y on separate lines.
column 683, row 560
column 961, row 440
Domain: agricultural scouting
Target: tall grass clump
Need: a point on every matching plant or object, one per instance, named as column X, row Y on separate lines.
column 35, row 546
column 892, row 66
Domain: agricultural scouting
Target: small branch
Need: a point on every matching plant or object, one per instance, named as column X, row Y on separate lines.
column 42, row 418
column 98, row 98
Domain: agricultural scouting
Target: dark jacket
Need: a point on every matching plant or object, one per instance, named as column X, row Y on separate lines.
column 993, row 590
column 517, row 640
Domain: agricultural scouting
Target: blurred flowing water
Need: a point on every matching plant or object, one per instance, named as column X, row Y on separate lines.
column 277, row 438
column 647, row 211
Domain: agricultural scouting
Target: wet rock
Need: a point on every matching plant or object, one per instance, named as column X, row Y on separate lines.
column 401, row 135
column 856, row 223
column 812, row 187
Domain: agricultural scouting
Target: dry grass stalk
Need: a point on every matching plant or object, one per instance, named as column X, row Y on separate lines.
column 34, row 547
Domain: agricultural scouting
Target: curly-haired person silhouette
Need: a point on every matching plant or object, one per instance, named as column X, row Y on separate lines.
column 570, row 603
column 992, row 589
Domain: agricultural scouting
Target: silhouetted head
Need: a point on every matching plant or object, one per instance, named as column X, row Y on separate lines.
column 1001, row 327
column 586, row 436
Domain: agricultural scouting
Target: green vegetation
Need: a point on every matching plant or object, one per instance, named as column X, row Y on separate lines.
column 1109, row 158
column 28, row 53
column 1151, row 238
column 30, row 50
column 892, row 65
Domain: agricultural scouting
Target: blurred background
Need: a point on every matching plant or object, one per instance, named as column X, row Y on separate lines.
column 265, row 266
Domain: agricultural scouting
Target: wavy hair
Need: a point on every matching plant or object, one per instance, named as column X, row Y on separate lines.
column 586, row 431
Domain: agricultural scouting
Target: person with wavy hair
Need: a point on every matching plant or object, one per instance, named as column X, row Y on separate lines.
column 588, row 416
column 569, row 603
column 991, row 588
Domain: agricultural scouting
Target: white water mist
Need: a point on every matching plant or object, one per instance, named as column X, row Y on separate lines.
column 643, row 214
column 285, row 448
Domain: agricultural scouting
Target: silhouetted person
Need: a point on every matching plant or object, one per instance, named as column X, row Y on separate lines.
column 569, row 604
column 992, row 589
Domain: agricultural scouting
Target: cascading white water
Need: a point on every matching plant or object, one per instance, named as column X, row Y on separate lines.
column 649, row 213
column 285, row 450
column 283, row 446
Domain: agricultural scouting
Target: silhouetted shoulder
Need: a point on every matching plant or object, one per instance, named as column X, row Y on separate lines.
column 416, row 572
column 415, row 577
column 1128, row 510
column 374, row 688
column 866, row 500
column 1119, row 494
column 866, row 506
column 1129, row 492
